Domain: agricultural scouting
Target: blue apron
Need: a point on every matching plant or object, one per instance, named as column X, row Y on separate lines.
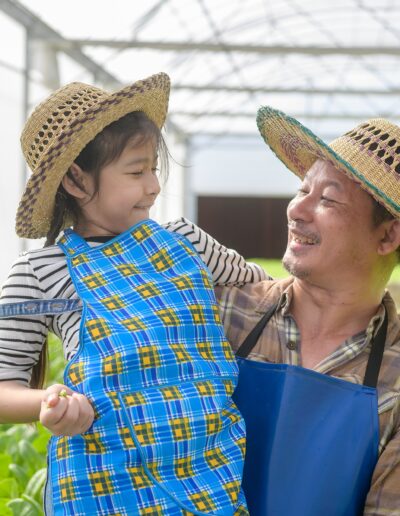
column 312, row 440
column 155, row 363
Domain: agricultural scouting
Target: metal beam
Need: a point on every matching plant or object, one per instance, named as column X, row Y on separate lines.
column 39, row 29
column 185, row 46
column 311, row 116
column 302, row 91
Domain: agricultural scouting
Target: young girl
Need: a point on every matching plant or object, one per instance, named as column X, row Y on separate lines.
column 144, row 423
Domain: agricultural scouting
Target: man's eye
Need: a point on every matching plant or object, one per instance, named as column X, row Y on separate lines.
column 327, row 199
column 302, row 191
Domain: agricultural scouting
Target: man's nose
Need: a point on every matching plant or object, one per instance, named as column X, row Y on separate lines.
column 301, row 207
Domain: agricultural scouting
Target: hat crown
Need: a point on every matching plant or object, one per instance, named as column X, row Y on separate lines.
column 378, row 138
column 53, row 116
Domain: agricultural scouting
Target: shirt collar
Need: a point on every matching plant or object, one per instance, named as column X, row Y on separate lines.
column 371, row 330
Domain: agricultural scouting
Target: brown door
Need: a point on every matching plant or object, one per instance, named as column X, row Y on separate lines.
column 255, row 226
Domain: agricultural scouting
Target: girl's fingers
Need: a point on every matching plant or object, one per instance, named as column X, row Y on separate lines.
column 52, row 400
column 67, row 414
column 86, row 413
column 51, row 415
column 69, row 421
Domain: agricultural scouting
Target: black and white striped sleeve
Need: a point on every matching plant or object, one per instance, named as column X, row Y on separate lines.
column 21, row 338
column 226, row 266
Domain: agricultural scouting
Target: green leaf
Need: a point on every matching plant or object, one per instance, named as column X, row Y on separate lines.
column 23, row 507
column 35, row 505
column 4, row 441
column 16, row 431
column 35, row 485
column 41, row 441
column 31, row 459
column 5, row 461
column 4, row 509
column 19, row 474
column 8, row 488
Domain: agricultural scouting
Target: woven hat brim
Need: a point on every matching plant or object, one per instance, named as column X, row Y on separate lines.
column 298, row 148
column 36, row 207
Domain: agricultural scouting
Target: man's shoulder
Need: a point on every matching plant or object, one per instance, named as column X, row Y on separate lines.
column 257, row 296
column 393, row 332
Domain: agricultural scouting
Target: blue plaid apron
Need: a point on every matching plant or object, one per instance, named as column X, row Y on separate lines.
column 155, row 363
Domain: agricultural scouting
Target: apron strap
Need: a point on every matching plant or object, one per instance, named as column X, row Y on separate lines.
column 71, row 243
column 39, row 307
column 251, row 340
column 374, row 360
column 376, row 355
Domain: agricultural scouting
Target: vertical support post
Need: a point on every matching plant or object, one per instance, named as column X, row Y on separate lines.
column 189, row 196
column 25, row 111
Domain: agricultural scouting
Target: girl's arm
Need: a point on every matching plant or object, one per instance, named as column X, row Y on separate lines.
column 226, row 266
column 19, row 404
column 21, row 341
column 61, row 410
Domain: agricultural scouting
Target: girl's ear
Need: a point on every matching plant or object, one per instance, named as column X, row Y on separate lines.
column 390, row 240
column 75, row 182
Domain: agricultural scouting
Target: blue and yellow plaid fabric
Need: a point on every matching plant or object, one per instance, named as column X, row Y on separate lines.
column 154, row 360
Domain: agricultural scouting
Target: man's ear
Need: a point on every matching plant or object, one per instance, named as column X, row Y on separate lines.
column 75, row 182
column 390, row 240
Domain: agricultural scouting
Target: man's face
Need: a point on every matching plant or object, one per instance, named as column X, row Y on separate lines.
column 331, row 235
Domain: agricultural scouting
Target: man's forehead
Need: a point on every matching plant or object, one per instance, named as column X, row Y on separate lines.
column 323, row 174
column 325, row 171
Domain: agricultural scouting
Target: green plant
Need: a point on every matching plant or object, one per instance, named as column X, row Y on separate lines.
column 275, row 269
column 23, row 450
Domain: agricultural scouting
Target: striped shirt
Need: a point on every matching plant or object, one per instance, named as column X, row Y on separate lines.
column 43, row 274
column 280, row 342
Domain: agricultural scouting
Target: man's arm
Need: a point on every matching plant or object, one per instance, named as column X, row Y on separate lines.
column 384, row 495
column 226, row 266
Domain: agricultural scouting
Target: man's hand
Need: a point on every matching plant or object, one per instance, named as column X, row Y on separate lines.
column 65, row 412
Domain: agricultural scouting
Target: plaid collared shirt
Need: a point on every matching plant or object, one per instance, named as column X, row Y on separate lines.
column 280, row 342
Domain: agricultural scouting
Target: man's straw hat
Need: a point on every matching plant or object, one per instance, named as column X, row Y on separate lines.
column 61, row 127
column 368, row 154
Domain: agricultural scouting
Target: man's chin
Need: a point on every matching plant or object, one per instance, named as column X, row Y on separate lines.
column 294, row 269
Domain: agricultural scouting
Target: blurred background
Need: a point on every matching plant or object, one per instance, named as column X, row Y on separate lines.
column 330, row 64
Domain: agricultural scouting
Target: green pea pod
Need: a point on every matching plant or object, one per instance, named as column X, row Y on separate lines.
column 36, row 484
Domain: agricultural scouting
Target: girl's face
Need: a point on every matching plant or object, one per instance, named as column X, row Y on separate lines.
column 128, row 188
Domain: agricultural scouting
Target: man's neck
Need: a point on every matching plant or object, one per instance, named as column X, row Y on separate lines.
column 327, row 317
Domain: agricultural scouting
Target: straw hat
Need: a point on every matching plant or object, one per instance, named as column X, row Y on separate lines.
column 61, row 127
column 368, row 154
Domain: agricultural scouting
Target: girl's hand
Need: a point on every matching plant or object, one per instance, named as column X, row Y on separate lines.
column 65, row 412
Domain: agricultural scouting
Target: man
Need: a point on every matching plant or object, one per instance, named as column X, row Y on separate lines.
column 319, row 379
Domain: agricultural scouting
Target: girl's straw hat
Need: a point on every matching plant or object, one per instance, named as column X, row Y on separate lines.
column 61, row 127
column 368, row 154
